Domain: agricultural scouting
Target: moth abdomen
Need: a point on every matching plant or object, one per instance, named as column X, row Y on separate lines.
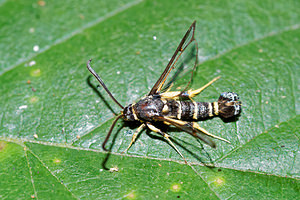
column 192, row 110
column 229, row 105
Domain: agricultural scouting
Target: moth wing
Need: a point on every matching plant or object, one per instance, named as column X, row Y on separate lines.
column 188, row 128
column 182, row 64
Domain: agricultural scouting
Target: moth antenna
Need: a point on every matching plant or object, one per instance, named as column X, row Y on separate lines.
column 101, row 82
column 109, row 132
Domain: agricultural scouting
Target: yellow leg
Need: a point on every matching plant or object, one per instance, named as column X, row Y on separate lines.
column 180, row 123
column 196, row 126
column 166, row 136
column 170, row 95
column 193, row 93
column 134, row 136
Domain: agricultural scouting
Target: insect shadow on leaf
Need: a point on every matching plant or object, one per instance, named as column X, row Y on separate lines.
column 95, row 89
column 183, row 144
column 104, row 163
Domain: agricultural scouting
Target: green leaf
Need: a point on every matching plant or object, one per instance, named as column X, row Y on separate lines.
column 52, row 121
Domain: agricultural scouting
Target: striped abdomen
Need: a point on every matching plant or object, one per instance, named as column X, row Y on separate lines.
column 190, row 110
column 228, row 105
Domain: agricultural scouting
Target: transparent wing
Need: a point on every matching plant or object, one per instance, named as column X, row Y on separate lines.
column 188, row 128
column 182, row 63
column 181, row 76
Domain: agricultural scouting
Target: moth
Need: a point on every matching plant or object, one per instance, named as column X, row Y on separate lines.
column 176, row 108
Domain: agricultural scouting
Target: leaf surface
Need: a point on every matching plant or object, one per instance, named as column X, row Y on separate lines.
column 53, row 119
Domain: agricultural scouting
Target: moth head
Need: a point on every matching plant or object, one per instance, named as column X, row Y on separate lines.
column 127, row 113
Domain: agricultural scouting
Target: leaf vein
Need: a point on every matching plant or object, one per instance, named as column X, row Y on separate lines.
column 75, row 32
column 241, row 146
column 47, row 168
column 31, row 177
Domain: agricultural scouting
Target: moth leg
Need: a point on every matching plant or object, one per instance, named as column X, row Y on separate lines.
column 188, row 127
column 166, row 136
column 196, row 126
column 186, row 94
column 194, row 129
column 192, row 93
column 170, row 95
column 140, row 128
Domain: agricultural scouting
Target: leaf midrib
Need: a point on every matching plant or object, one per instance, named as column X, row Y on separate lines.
column 22, row 142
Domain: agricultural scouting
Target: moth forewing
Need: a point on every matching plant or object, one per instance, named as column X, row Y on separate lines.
column 181, row 77
column 185, row 42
